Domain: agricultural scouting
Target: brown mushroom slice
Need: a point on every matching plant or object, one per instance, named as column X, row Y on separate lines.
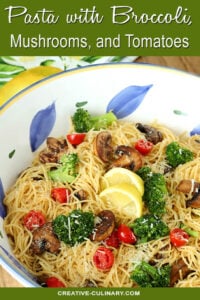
column 128, row 158
column 47, row 157
column 89, row 283
column 44, row 239
column 179, row 270
column 54, row 144
column 152, row 134
column 104, row 227
column 159, row 255
column 81, row 195
column 194, row 202
column 167, row 169
column 188, row 186
column 102, row 146
column 55, row 149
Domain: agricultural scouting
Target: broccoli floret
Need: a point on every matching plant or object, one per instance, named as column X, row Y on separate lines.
column 67, row 170
column 176, row 155
column 146, row 275
column 149, row 227
column 157, row 204
column 83, row 121
column 144, row 172
column 74, row 228
column 155, row 190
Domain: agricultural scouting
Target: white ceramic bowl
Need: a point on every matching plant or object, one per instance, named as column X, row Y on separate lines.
column 134, row 91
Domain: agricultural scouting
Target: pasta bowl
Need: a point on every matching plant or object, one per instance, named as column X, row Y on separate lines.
column 134, row 92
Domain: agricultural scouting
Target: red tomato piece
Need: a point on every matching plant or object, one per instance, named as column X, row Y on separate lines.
column 143, row 146
column 54, row 282
column 34, row 219
column 60, row 194
column 178, row 237
column 76, row 138
column 103, row 258
column 126, row 235
column 113, row 240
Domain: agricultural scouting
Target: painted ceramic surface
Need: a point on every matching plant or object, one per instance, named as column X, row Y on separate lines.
column 10, row 66
column 136, row 92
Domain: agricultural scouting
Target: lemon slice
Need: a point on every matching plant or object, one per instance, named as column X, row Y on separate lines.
column 125, row 198
column 25, row 79
column 119, row 175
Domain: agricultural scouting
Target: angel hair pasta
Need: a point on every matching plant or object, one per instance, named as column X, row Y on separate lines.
column 84, row 213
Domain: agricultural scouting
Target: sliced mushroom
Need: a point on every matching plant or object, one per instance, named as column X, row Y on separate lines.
column 81, row 195
column 47, row 157
column 159, row 255
column 102, row 146
column 152, row 134
column 168, row 169
column 194, row 202
column 55, row 149
column 44, row 239
column 90, row 284
column 56, row 145
column 127, row 157
column 188, row 186
column 179, row 270
column 39, row 177
column 104, row 227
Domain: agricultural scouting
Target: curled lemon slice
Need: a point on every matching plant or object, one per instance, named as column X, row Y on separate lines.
column 24, row 79
column 121, row 175
column 125, row 198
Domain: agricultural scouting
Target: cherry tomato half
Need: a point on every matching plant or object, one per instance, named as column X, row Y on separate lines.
column 54, row 282
column 143, row 146
column 75, row 138
column 178, row 237
column 113, row 240
column 34, row 219
column 103, row 258
column 125, row 234
column 60, row 194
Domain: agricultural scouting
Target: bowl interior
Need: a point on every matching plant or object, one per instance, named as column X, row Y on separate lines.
column 137, row 92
